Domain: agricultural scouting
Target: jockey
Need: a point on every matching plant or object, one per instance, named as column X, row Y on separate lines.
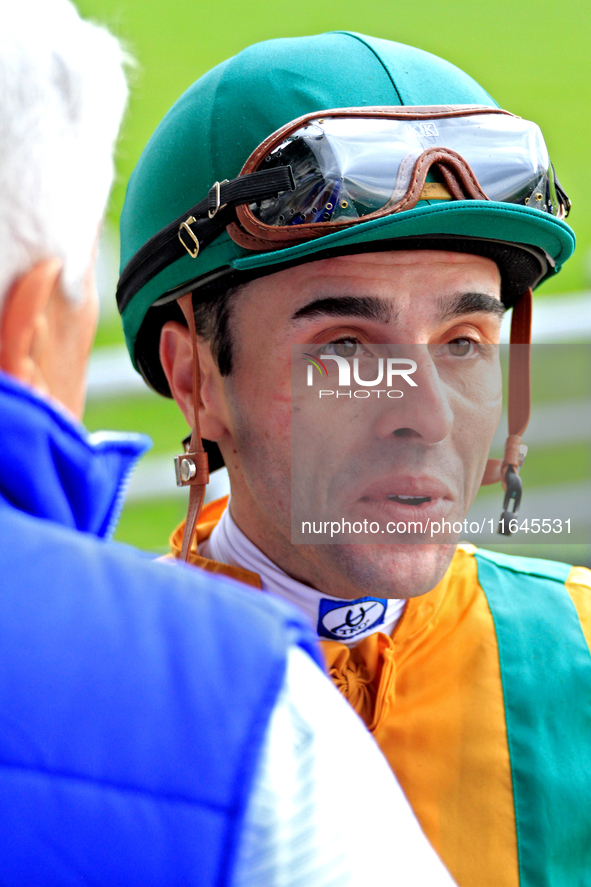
column 325, row 197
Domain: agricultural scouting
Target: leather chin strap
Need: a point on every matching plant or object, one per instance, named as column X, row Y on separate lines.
column 506, row 469
column 192, row 468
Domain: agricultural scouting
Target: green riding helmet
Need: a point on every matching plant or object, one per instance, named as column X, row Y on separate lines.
column 174, row 225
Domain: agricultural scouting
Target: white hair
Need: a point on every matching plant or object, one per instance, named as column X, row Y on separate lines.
column 62, row 96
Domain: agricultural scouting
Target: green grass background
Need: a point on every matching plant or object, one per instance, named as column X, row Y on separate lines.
column 533, row 57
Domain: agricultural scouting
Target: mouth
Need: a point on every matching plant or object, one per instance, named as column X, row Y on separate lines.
column 408, row 491
column 408, row 500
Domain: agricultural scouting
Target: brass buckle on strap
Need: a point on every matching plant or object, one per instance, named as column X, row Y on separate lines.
column 217, row 186
column 184, row 226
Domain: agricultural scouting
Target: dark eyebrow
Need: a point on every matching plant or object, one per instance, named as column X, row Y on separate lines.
column 365, row 307
column 469, row 303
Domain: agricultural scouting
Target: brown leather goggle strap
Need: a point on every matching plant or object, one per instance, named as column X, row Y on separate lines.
column 196, row 453
column 519, row 391
column 458, row 175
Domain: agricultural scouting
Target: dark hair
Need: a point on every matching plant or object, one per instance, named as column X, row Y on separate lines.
column 212, row 323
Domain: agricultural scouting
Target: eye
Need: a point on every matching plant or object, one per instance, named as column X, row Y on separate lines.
column 460, row 347
column 344, row 348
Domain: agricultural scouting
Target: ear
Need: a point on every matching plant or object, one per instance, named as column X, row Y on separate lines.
column 23, row 324
column 176, row 357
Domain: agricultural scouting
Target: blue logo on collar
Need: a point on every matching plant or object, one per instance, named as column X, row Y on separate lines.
column 343, row 620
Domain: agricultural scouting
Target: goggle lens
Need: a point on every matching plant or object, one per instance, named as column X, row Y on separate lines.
column 346, row 168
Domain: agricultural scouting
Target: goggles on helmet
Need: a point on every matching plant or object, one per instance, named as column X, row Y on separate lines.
column 333, row 169
column 357, row 164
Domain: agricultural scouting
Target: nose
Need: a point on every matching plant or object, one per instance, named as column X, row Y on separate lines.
column 422, row 412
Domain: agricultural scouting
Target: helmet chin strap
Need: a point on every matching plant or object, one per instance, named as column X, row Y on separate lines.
column 192, row 467
column 506, row 469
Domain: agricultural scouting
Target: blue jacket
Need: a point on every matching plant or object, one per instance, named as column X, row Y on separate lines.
column 134, row 696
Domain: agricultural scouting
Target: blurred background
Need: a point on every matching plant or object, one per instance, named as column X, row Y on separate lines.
column 533, row 58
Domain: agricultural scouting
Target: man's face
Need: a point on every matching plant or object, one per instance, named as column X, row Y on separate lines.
column 432, row 443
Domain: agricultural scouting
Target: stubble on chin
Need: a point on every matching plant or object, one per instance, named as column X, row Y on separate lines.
column 387, row 571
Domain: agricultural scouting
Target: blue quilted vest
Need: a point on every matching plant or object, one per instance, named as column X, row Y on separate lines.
column 134, row 696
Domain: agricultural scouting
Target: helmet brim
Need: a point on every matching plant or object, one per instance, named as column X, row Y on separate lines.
column 479, row 219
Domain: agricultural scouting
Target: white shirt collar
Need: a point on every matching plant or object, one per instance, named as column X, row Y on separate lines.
column 347, row 621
